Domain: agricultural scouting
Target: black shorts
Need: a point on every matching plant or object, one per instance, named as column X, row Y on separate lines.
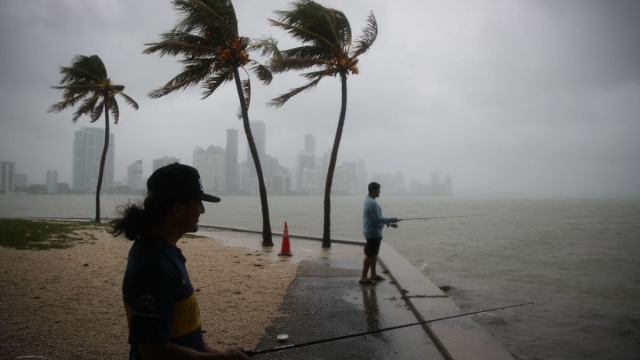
column 373, row 246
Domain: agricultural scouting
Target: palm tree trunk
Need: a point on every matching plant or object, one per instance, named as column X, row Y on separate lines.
column 266, row 222
column 326, row 233
column 103, row 159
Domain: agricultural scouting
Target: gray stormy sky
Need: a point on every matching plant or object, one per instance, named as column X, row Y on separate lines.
column 533, row 97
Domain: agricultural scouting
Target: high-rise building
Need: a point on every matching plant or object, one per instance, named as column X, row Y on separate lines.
column 398, row 183
column 435, row 179
column 306, row 162
column 351, row 168
column 361, row 185
column 310, row 143
column 340, row 180
column 7, row 172
column 385, row 181
column 52, row 181
column 231, row 164
column 134, row 176
column 164, row 161
column 19, row 181
column 259, row 131
column 243, row 177
column 88, row 144
column 211, row 166
column 448, row 184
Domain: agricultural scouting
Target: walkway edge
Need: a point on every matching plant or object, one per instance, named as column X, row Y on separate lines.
column 458, row 339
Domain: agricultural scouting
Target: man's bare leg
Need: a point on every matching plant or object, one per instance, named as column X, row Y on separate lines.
column 374, row 262
column 365, row 268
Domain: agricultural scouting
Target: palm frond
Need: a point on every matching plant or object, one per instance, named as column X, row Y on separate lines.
column 369, row 35
column 340, row 27
column 189, row 45
column 282, row 99
column 305, row 35
column 87, row 107
column 115, row 110
column 211, row 18
column 309, row 21
column 315, row 75
column 284, row 64
column 212, row 83
column 129, row 100
column 96, row 112
column 194, row 72
column 309, row 51
column 84, row 69
column 66, row 103
column 246, row 91
column 267, row 45
column 262, row 72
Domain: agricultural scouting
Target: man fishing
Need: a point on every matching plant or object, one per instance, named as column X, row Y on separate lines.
column 372, row 223
column 160, row 302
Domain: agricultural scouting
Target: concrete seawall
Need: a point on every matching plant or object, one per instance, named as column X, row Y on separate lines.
column 457, row 339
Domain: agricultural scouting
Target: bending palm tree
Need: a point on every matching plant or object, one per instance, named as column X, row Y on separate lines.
column 327, row 47
column 207, row 37
column 87, row 79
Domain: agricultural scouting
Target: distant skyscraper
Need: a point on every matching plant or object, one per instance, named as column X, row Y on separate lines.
column 164, row 161
column 310, row 143
column 19, row 181
column 231, row 155
column 259, row 131
column 340, row 180
column 385, row 181
column 435, row 179
column 211, row 166
column 306, row 162
column 134, row 175
column 52, row 181
column 351, row 169
column 448, row 184
column 398, row 183
column 362, row 183
column 88, row 144
column 7, row 172
column 243, row 177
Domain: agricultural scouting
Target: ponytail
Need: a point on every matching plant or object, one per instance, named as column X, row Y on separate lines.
column 138, row 218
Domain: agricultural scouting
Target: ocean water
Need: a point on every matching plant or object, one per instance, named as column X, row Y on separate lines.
column 578, row 260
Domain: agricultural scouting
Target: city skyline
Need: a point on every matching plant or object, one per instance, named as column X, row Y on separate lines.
column 307, row 176
column 535, row 98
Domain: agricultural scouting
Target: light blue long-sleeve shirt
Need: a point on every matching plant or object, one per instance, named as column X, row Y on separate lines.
column 372, row 219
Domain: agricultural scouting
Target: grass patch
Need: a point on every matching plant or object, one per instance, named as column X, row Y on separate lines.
column 44, row 235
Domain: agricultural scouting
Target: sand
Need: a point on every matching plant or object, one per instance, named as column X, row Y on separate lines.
column 67, row 304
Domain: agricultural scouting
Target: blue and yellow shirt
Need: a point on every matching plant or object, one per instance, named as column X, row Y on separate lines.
column 159, row 299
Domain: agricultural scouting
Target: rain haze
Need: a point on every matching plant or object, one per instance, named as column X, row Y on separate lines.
column 540, row 98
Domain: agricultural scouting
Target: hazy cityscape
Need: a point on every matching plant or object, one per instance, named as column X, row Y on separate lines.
column 221, row 170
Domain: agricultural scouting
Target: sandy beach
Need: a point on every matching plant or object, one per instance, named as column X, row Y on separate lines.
column 67, row 304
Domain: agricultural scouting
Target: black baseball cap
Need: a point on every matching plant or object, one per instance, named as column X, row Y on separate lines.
column 178, row 182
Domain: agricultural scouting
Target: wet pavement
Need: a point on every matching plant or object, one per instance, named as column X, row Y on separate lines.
column 326, row 301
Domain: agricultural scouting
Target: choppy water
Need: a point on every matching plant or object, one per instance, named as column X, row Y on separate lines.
column 578, row 260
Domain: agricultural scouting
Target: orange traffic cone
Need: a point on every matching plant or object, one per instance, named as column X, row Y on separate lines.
column 286, row 247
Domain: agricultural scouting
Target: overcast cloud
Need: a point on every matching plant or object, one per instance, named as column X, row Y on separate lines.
column 533, row 97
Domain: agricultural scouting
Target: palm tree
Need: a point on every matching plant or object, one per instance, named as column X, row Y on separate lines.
column 213, row 52
column 86, row 80
column 327, row 48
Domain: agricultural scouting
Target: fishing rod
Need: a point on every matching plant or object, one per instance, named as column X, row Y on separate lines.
column 435, row 217
column 295, row 346
column 395, row 225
